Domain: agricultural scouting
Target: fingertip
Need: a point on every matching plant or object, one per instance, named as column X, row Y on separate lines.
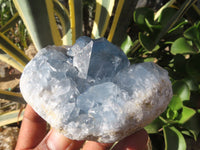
column 91, row 145
column 56, row 141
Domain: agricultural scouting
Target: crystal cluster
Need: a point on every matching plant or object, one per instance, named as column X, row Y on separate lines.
column 91, row 92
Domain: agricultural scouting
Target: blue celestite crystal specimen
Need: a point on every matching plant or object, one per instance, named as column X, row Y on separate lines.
column 91, row 92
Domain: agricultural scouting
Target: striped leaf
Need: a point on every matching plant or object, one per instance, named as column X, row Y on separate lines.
column 39, row 18
column 11, row 49
column 102, row 16
column 76, row 18
column 122, row 18
column 196, row 9
column 10, row 23
column 11, row 117
column 9, row 60
column 63, row 15
column 12, row 96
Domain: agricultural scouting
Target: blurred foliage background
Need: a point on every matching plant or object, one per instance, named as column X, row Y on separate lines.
column 166, row 32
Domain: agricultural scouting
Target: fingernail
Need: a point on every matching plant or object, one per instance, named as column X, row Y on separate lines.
column 57, row 141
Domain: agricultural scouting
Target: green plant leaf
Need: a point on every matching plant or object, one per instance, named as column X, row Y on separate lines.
column 153, row 28
column 193, row 86
column 121, row 21
column 181, row 89
column 166, row 15
column 76, row 18
column 136, row 45
column 146, row 41
column 178, row 25
column 192, row 33
column 63, row 15
column 186, row 114
column 149, row 59
column 188, row 133
column 126, row 45
column 171, row 114
column 174, row 140
column 192, row 125
column 11, row 117
column 173, row 107
column 192, row 67
column 11, row 49
column 102, row 17
column 155, row 126
column 42, row 28
column 173, row 20
column 168, row 4
column 175, row 103
column 181, row 46
column 142, row 15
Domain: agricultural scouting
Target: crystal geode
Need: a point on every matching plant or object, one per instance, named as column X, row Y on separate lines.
column 91, row 92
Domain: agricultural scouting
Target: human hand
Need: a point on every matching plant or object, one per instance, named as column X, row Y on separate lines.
column 33, row 136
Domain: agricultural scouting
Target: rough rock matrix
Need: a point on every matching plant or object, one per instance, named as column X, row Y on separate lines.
column 91, row 92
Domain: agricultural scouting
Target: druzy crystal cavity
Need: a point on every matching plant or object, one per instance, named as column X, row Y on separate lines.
column 91, row 92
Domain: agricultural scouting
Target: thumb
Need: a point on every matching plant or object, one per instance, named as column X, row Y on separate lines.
column 56, row 141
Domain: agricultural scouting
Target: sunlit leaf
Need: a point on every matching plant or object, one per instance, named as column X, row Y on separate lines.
column 102, row 16
column 181, row 46
column 63, row 15
column 76, row 18
column 181, row 89
column 126, row 45
column 9, row 60
column 155, row 126
column 11, row 117
column 171, row 114
column 186, row 114
column 188, row 133
column 175, row 103
column 12, row 50
column 149, row 59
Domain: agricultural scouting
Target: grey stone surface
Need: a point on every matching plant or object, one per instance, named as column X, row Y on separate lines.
column 91, row 92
